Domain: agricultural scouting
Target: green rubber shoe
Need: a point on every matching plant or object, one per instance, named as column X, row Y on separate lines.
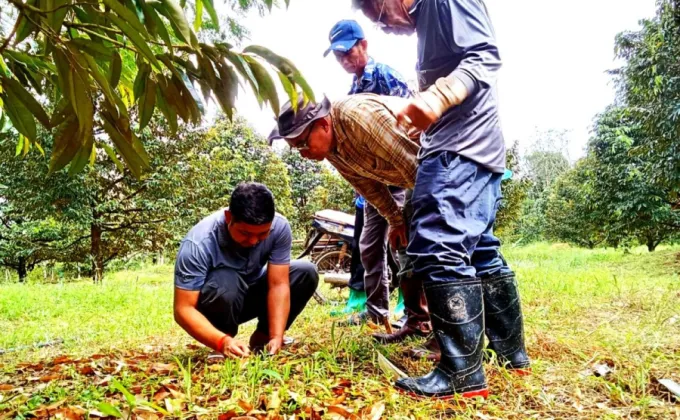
column 355, row 303
column 400, row 308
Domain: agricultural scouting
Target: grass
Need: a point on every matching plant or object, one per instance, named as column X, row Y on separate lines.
column 122, row 353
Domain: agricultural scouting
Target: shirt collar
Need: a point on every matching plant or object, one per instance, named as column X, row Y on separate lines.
column 223, row 237
column 367, row 77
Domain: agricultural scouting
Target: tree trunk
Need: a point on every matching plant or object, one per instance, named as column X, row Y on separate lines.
column 651, row 245
column 22, row 269
column 96, row 253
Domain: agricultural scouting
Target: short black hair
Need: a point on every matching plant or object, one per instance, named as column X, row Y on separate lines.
column 252, row 203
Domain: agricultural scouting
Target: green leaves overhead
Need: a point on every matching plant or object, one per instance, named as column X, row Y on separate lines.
column 15, row 91
column 173, row 11
column 100, row 64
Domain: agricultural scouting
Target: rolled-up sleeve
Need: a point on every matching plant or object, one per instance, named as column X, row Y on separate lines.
column 471, row 34
column 191, row 267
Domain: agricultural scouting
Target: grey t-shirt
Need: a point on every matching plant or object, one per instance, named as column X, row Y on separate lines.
column 456, row 37
column 208, row 246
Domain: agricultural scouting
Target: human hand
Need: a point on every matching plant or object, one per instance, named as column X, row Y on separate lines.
column 274, row 345
column 234, row 348
column 416, row 114
column 428, row 106
column 397, row 236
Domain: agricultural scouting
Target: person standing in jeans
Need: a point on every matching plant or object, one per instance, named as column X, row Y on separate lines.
column 470, row 289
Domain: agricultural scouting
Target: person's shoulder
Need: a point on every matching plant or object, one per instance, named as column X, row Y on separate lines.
column 280, row 222
column 205, row 229
column 280, row 227
column 386, row 70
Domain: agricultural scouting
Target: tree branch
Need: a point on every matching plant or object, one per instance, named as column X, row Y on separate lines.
column 112, row 256
column 142, row 188
column 65, row 6
column 128, row 211
column 75, row 242
column 11, row 34
column 131, row 225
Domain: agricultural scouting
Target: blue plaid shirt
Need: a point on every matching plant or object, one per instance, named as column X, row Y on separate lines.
column 380, row 79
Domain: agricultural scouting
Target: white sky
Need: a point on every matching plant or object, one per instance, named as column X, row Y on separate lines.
column 555, row 56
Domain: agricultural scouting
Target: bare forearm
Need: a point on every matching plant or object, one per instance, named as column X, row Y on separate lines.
column 278, row 308
column 198, row 326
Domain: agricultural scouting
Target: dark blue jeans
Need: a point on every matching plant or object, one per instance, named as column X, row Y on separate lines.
column 455, row 202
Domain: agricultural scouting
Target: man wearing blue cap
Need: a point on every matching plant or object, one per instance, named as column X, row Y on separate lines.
column 350, row 48
column 471, row 291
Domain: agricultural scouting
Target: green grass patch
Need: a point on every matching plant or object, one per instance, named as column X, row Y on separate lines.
column 123, row 354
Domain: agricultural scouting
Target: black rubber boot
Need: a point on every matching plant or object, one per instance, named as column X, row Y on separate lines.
column 504, row 322
column 457, row 314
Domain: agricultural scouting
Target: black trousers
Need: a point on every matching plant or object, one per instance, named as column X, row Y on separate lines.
column 228, row 301
column 356, row 281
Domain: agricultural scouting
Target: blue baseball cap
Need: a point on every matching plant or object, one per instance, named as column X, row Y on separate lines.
column 344, row 36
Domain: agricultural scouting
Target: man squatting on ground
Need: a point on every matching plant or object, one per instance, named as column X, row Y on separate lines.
column 350, row 47
column 234, row 266
column 469, row 287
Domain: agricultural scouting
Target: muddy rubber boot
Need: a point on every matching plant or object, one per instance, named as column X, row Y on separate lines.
column 505, row 323
column 457, row 313
column 418, row 319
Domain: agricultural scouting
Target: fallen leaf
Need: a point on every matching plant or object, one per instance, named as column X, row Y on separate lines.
column 48, row 378
column 6, row 387
column 312, row 413
column 31, row 366
column 177, row 395
column 374, row 413
column 147, row 416
column 162, row 368
column 342, row 411
column 228, row 415
column 274, row 402
column 86, row 370
column 245, row 406
column 136, row 389
column 70, row 413
column 389, row 368
column 341, row 387
column 97, row 356
column 339, row 400
column 602, row 370
column 62, row 359
column 47, row 410
column 173, row 406
column 105, row 381
column 161, row 395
